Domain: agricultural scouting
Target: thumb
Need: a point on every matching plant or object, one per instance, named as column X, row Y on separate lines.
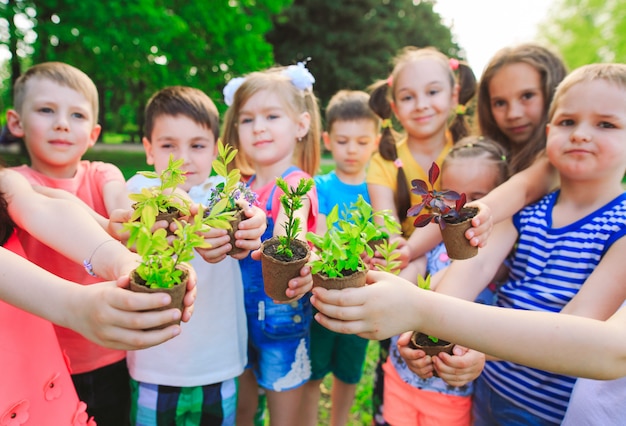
column 459, row 350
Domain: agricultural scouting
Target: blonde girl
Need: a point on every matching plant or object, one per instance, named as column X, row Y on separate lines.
column 423, row 92
column 273, row 119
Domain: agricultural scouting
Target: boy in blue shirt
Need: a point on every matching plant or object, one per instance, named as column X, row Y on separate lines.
column 352, row 138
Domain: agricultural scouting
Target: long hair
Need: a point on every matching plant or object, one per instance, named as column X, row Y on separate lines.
column 296, row 102
column 6, row 223
column 551, row 70
column 382, row 93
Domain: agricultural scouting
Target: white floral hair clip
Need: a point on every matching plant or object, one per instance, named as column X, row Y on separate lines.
column 299, row 75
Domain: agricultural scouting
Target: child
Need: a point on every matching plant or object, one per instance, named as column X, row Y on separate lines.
column 56, row 108
column 514, row 94
column 474, row 166
column 201, row 386
column 423, row 93
column 352, row 138
column 585, row 144
column 36, row 382
column 273, row 119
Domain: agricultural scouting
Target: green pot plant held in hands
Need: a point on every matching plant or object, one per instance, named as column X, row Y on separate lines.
column 228, row 196
column 283, row 256
column 161, row 202
column 447, row 208
column 429, row 344
column 161, row 268
column 342, row 250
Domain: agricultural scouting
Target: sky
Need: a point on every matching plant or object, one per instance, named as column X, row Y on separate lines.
column 482, row 27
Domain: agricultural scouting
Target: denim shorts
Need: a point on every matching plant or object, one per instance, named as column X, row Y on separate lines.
column 489, row 408
column 278, row 342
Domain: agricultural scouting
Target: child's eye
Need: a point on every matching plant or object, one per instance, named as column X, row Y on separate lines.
column 498, row 104
column 528, row 95
column 273, row 116
column 45, row 110
column 406, row 98
column 433, row 92
column 198, row 146
column 566, row 122
column 245, row 120
column 606, row 125
column 342, row 141
column 79, row 115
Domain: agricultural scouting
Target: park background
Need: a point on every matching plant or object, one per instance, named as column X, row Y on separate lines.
column 133, row 48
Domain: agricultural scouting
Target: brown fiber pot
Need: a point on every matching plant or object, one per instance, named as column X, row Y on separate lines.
column 177, row 293
column 234, row 225
column 277, row 273
column 356, row 279
column 457, row 246
column 422, row 342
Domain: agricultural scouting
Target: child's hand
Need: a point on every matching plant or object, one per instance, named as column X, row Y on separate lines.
column 220, row 245
column 248, row 237
column 115, row 226
column 482, row 224
column 460, row 369
column 416, row 359
column 117, row 318
column 298, row 286
column 376, row 311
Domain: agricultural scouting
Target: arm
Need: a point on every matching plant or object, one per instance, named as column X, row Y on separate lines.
column 536, row 339
column 104, row 313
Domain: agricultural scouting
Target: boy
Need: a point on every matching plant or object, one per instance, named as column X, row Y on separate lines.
column 55, row 112
column 192, row 379
column 352, row 138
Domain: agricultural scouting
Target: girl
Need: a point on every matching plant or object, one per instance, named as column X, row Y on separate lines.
column 423, row 93
column 514, row 95
column 36, row 381
column 474, row 166
column 273, row 119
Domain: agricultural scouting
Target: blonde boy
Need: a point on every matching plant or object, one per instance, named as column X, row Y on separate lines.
column 352, row 138
column 191, row 380
column 55, row 112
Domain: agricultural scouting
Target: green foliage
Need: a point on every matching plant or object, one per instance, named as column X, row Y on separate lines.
column 586, row 31
column 335, row 35
column 291, row 200
column 222, row 203
column 388, row 252
column 424, row 283
column 346, row 238
column 163, row 198
column 160, row 258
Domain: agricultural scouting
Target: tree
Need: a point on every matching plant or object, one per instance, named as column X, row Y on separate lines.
column 352, row 43
column 587, row 31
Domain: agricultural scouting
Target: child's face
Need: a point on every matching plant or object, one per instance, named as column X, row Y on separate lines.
column 476, row 176
column 267, row 131
column 352, row 144
column 181, row 137
column 423, row 98
column 587, row 133
column 516, row 101
column 57, row 125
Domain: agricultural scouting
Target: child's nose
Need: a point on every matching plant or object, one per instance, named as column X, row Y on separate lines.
column 514, row 110
column 580, row 134
column 61, row 123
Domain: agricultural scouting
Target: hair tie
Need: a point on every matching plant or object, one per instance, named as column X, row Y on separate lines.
column 461, row 109
column 386, row 123
column 503, row 158
column 230, row 89
column 398, row 163
column 390, row 80
column 454, row 64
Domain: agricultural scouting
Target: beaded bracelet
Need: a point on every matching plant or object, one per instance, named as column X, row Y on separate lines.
column 87, row 262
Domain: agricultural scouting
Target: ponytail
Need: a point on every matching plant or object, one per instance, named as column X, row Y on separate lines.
column 379, row 103
column 467, row 89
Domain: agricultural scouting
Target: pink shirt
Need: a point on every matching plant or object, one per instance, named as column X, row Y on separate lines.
column 87, row 185
column 36, row 383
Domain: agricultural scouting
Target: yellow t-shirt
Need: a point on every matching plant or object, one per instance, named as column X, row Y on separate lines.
column 385, row 173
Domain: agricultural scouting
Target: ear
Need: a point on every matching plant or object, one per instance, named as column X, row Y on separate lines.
column 14, row 123
column 147, row 146
column 547, row 129
column 93, row 136
column 393, row 107
column 326, row 139
column 455, row 95
column 304, row 123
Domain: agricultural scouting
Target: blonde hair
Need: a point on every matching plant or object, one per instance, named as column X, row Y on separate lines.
column 480, row 147
column 295, row 101
column 611, row 73
column 62, row 74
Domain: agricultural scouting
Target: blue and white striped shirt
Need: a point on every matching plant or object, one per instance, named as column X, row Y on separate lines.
column 548, row 268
